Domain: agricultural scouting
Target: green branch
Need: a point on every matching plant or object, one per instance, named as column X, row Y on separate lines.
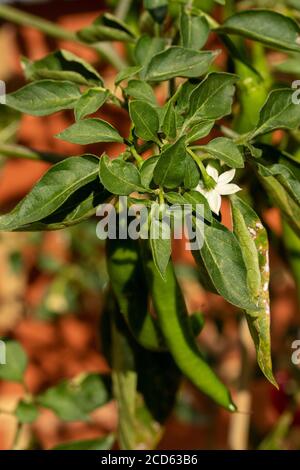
column 18, row 151
column 122, row 9
column 51, row 29
column 209, row 182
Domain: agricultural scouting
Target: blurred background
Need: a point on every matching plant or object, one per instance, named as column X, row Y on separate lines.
column 52, row 289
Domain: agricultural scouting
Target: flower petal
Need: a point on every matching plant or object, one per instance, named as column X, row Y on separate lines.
column 226, row 177
column 228, row 189
column 201, row 190
column 213, row 172
column 214, row 200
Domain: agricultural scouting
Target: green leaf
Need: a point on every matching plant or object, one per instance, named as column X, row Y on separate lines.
column 278, row 435
column 126, row 73
column 203, row 275
column 140, row 90
column 240, row 54
column 199, row 131
column 179, row 62
column 175, row 198
column 293, row 4
column 191, row 173
column 246, row 225
column 170, row 168
column 106, row 28
column 80, row 206
column 151, row 4
column 16, row 362
column 286, row 178
column 282, row 32
column 225, row 150
column 157, row 8
column 147, row 170
column 145, row 120
column 253, row 240
column 90, row 131
column 140, row 412
column 280, row 198
column 194, row 30
column 290, row 66
column 62, row 65
column 51, row 191
column 147, row 47
column 90, row 102
column 102, row 443
column 278, row 112
column 26, row 412
column 129, row 287
column 74, row 400
column 169, row 120
column 253, row 150
column 119, row 177
column 223, row 260
column 9, row 124
column 192, row 198
column 44, row 97
column 212, row 98
column 184, row 95
column 160, row 243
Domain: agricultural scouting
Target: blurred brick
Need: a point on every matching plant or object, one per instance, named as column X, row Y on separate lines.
column 75, row 333
column 36, row 334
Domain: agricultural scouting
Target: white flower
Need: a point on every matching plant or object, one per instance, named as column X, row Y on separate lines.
column 223, row 187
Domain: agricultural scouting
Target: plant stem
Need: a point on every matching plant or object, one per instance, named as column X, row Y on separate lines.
column 51, row 29
column 106, row 50
column 18, row 151
column 137, row 157
column 211, row 21
column 156, row 30
column 209, row 182
column 203, row 156
column 161, row 196
column 26, row 19
column 229, row 132
column 122, row 9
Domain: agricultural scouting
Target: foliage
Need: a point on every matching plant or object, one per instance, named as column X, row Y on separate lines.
column 244, row 105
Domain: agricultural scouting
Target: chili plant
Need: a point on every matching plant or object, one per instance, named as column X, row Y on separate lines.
column 212, row 136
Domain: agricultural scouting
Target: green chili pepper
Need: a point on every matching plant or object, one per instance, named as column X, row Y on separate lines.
column 131, row 291
column 176, row 328
column 137, row 428
column 253, row 90
column 145, row 385
column 130, row 288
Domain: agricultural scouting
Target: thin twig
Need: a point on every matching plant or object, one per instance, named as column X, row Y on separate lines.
column 239, row 426
column 51, row 29
column 18, row 151
column 122, row 9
